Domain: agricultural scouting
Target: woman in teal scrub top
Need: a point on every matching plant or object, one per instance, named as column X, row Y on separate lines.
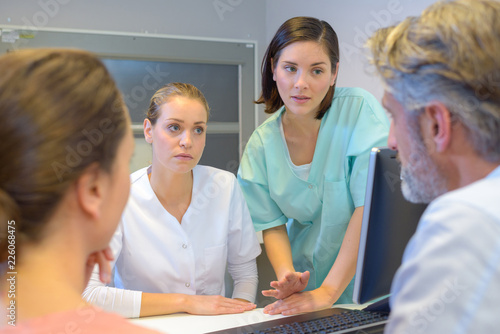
column 304, row 170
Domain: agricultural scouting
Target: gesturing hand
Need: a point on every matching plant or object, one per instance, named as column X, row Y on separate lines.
column 288, row 285
column 306, row 301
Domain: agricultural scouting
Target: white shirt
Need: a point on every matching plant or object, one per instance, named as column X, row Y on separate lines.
column 156, row 254
column 449, row 281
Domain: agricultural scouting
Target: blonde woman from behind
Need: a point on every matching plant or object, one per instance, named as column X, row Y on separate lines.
column 65, row 146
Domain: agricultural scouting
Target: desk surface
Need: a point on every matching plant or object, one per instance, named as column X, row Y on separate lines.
column 182, row 323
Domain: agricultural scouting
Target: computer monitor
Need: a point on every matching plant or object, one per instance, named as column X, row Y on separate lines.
column 389, row 221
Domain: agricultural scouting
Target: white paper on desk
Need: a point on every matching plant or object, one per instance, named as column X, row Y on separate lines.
column 9, row 35
column 182, row 323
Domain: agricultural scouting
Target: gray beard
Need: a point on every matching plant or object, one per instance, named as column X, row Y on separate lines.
column 421, row 179
column 419, row 188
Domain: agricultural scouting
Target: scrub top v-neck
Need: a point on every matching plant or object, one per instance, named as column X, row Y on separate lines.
column 316, row 210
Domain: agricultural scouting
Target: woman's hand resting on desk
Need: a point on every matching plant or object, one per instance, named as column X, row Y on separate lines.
column 291, row 283
column 307, row 301
column 168, row 303
column 207, row 305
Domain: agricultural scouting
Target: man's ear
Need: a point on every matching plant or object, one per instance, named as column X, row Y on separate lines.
column 438, row 125
column 148, row 131
column 91, row 190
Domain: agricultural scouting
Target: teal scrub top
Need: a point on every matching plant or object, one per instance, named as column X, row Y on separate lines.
column 320, row 208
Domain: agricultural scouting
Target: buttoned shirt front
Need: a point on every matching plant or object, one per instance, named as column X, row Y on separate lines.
column 155, row 253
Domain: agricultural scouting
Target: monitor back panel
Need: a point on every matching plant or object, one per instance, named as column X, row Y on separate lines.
column 389, row 221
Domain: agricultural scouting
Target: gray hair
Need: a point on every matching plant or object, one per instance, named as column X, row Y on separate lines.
column 448, row 54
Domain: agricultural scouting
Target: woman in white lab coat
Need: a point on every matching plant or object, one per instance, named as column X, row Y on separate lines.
column 183, row 223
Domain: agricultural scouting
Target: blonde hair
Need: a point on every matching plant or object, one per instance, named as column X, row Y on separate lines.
column 61, row 112
column 170, row 90
column 447, row 54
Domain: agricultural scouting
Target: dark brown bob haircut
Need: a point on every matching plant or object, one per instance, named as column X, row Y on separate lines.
column 297, row 29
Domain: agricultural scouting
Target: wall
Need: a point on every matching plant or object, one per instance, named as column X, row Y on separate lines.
column 353, row 21
column 216, row 19
column 232, row 19
column 256, row 20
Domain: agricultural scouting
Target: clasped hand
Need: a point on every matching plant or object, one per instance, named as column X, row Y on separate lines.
column 102, row 259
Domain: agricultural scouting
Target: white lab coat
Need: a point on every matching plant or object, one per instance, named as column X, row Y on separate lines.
column 156, row 254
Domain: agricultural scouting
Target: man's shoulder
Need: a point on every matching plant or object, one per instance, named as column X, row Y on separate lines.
column 480, row 196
